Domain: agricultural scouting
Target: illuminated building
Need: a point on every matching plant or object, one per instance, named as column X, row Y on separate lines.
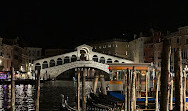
column 114, row 47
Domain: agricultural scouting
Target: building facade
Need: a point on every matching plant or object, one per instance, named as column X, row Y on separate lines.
column 179, row 39
column 12, row 55
column 20, row 58
column 34, row 53
column 7, row 57
column 153, row 49
column 1, row 54
column 115, row 47
column 136, row 49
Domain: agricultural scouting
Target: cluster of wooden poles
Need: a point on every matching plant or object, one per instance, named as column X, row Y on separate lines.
column 83, row 72
column 130, row 90
column 164, row 81
column 167, row 81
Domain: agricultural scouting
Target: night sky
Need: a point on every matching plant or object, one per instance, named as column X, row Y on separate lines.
column 68, row 24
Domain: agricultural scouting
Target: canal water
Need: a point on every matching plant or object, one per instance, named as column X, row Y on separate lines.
column 50, row 96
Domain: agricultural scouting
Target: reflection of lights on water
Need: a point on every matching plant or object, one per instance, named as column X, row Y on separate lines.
column 5, row 87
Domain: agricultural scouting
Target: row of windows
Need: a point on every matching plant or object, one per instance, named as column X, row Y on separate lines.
column 105, row 46
column 183, row 31
column 184, row 54
column 34, row 53
column 178, row 41
column 73, row 59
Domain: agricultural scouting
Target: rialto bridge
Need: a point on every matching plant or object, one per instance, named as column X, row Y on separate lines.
column 83, row 56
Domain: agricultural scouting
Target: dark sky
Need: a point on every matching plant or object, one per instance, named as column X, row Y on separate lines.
column 68, row 24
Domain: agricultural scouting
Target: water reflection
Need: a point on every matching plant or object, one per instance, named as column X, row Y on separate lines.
column 4, row 97
column 24, row 97
column 50, row 98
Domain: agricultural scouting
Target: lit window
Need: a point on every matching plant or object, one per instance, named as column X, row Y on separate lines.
column 109, row 45
column 99, row 47
column 126, row 53
column 116, row 45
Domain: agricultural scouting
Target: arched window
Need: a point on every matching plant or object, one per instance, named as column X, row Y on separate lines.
column 44, row 65
column 66, row 60
column 95, row 58
column 59, row 61
column 116, row 61
column 52, row 63
column 102, row 60
column 37, row 66
column 82, row 55
column 73, row 58
column 109, row 60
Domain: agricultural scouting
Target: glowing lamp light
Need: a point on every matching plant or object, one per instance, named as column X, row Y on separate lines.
column 21, row 68
column 186, row 68
column 143, row 74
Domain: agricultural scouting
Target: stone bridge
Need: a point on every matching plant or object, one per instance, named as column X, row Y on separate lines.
column 56, row 65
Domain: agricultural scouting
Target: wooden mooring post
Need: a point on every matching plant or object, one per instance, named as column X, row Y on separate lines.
column 184, row 91
column 78, row 89
column 178, row 80
column 103, row 85
column 157, row 92
column 146, row 100
column 128, row 90
column 83, row 89
column 165, row 71
column 133, row 90
column 96, row 78
column 37, row 91
column 125, row 91
column 12, row 90
column 171, row 91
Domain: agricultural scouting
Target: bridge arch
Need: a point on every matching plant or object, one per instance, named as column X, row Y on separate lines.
column 102, row 60
column 109, row 60
column 66, row 60
column 116, row 61
column 52, row 63
column 44, row 65
column 55, row 71
column 59, row 61
column 95, row 58
column 73, row 58
column 37, row 66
